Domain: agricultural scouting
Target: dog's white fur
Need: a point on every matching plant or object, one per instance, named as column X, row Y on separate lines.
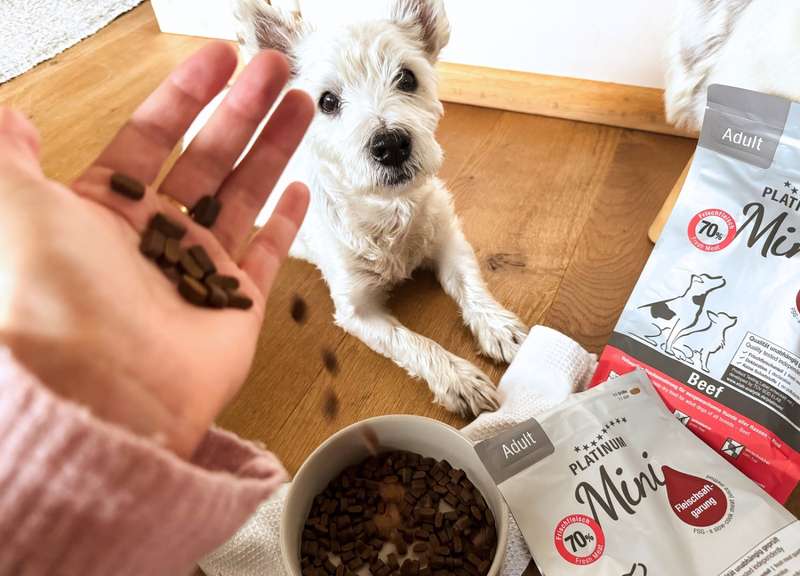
column 364, row 235
column 753, row 44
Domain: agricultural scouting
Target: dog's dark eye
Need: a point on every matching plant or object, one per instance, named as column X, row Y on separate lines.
column 329, row 103
column 406, row 81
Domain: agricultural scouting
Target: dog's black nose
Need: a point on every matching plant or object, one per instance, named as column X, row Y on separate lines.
column 391, row 148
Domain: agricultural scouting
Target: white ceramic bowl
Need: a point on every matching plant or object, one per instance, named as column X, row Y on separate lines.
column 413, row 433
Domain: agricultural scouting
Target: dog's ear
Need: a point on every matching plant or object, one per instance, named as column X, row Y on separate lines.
column 263, row 27
column 428, row 20
column 713, row 316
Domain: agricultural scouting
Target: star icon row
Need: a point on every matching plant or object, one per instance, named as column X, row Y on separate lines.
column 788, row 184
column 603, row 431
column 611, row 423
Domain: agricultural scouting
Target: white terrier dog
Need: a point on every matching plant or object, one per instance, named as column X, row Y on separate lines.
column 751, row 44
column 377, row 210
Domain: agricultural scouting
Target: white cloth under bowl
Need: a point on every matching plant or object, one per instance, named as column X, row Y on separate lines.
column 548, row 367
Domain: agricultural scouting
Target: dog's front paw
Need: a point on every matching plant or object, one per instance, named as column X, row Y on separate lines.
column 463, row 388
column 499, row 333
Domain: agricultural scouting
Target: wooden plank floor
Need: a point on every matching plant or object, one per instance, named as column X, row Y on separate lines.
column 557, row 212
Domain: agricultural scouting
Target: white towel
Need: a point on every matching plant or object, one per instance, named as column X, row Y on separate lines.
column 548, row 367
column 31, row 31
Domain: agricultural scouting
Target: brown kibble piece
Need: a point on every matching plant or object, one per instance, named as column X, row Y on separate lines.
column 427, row 514
column 190, row 267
column 227, row 283
column 172, row 274
column 167, row 226
column 330, row 404
column 152, row 244
column 192, row 290
column 203, row 260
column 330, row 361
column 126, row 186
column 172, row 253
column 206, row 210
column 217, row 297
column 461, row 523
column 239, row 300
column 400, row 544
column 299, row 309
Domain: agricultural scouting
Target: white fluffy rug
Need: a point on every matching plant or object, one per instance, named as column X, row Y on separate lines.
column 32, row 31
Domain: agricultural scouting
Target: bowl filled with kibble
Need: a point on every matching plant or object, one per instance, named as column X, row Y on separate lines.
column 394, row 495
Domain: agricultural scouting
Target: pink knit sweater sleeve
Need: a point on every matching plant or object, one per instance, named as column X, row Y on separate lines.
column 82, row 497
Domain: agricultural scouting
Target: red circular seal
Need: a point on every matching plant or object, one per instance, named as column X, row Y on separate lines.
column 580, row 539
column 712, row 230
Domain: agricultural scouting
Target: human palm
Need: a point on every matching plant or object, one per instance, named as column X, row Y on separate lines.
column 88, row 313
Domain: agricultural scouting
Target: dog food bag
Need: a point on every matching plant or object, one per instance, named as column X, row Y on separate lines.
column 609, row 483
column 715, row 316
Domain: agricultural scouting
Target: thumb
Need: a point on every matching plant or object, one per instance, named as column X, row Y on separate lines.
column 19, row 139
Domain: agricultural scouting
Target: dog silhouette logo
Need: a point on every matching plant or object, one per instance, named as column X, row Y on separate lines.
column 638, row 569
column 676, row 316
column 697, row 345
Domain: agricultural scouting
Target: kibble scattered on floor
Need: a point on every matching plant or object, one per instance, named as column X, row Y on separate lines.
column 399, row 513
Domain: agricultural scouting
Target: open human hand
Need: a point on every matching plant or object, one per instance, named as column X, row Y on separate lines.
column 84, row 310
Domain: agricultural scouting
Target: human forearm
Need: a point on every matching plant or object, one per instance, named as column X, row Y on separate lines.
column 81, row 496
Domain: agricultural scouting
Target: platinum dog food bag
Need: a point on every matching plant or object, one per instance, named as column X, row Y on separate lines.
column 609, row 483
column 714, row 318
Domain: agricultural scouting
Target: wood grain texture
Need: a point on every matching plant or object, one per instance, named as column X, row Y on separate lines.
column 556, row 210
column 621, row 105
column 613, row 247
column 666, row 209
column 80, row 98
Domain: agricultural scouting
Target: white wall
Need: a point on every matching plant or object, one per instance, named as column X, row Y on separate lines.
column 609, row 40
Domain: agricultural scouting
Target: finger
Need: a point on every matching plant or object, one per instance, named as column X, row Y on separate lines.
column 143, row 144
column 19, row 140
column 246, row 190
column 214, row 151
column 269, row 247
